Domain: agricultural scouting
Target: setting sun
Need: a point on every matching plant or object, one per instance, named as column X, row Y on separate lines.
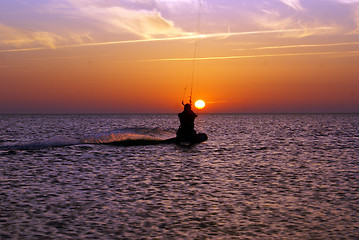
column 199, row 104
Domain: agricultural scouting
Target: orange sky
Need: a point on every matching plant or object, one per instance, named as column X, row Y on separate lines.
column 137, row 56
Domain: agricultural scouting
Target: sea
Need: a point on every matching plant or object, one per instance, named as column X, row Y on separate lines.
column 258, row 176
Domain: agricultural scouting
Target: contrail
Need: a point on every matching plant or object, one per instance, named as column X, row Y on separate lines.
column 186, row 37
column 251, row 56
column 309, row 45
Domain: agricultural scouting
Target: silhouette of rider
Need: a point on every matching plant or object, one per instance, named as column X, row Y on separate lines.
column 187, row 122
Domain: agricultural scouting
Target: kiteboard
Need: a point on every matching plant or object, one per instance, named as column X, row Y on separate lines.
column 187, row 140
column 183, row 141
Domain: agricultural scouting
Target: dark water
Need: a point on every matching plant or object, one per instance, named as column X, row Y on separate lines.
column 257, row 177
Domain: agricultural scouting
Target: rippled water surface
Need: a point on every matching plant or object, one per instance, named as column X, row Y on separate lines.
column 257, row 177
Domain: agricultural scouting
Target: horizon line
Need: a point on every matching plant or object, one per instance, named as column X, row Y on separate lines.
column 165, row 113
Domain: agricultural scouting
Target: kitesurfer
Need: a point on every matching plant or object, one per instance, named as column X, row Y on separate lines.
column 186, row 129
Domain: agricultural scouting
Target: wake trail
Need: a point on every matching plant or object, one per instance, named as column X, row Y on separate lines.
column 122, row 137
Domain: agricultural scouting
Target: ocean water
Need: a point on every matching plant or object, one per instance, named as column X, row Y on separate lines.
column 258, row 176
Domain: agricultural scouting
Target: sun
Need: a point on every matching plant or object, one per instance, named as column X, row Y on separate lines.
column 199, row 104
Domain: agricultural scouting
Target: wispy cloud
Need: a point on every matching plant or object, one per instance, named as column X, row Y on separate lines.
column 274, row 20
column 117, row 18
column 26, row 40
column 99, row 18
column 295, row 4
column 356, row 14
column 18, row 37
column 307, row 16
column 174, row 5
column 348, row 1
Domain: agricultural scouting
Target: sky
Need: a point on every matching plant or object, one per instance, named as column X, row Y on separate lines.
column 147, row 56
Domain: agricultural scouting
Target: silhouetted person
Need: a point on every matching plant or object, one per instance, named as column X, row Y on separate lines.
column 187, row 122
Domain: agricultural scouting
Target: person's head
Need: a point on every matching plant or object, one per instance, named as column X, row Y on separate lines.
column 187, row 107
